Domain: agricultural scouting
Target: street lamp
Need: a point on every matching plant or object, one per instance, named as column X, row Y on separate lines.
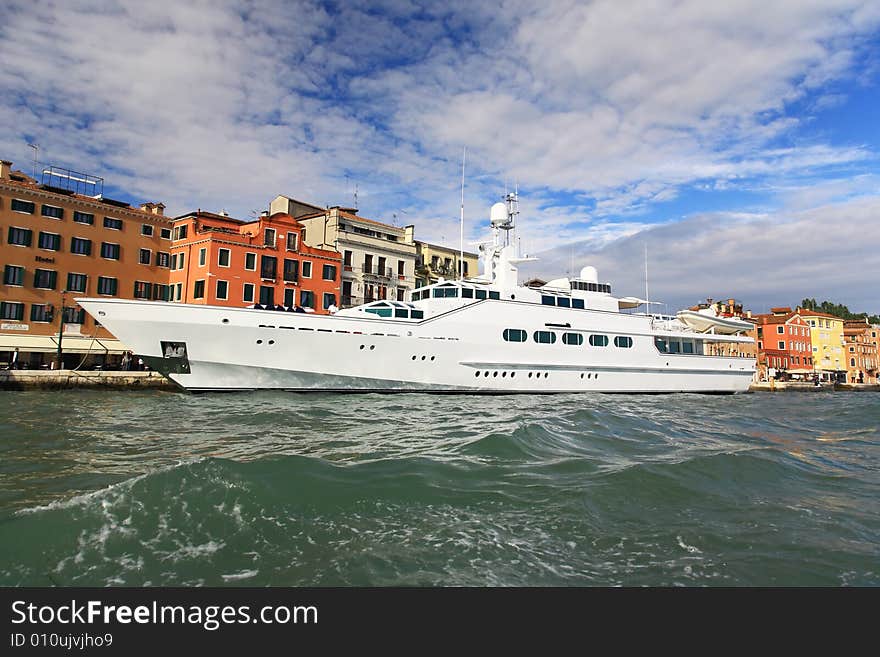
column 58, row 361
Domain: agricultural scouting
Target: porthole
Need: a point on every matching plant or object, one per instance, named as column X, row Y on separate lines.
column 225, row 320
column 494, row 374
column 271, row 341
column 530, row 375
column 504, row 375
column 476, row 374
column 582, row 375
column 423, row 357
column 486, row 373
column 414, row 357
column 512, row 374
column 372, row 346
column 362, row 346
column 546, row 374
column 433, row 357
column 513, row 296
column 259, row 342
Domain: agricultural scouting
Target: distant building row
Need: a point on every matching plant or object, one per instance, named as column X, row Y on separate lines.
column 804, row 344
column 58, row 242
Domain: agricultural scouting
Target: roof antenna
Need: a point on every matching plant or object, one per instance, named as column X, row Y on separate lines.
column 36, row 148
column 461, row 221
column 355, row 197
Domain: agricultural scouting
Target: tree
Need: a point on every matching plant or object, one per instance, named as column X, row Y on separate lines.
column 838, row 310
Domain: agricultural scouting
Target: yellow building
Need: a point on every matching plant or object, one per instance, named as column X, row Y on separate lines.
column 826, row 334
column 434, row 262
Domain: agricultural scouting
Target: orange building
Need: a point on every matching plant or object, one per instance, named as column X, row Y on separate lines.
column 784, row 345
column 860, row 349
column 217, row 260
column 62, row 238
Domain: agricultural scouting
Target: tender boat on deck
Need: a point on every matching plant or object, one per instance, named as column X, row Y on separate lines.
column 706, row 320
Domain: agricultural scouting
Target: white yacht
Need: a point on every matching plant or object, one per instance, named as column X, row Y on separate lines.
column 482, row 335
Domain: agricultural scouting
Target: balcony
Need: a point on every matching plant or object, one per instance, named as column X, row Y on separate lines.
column 381, row 272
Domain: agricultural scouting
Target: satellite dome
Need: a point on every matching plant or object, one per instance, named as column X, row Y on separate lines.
column 590, row 275
column 498, row 214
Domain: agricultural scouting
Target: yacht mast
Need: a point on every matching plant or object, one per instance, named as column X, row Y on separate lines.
column 461, row 221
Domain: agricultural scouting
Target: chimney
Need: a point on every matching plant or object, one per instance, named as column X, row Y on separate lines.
column 5, row 168
column 264, row 213
column 224, row 213
column 154, row 208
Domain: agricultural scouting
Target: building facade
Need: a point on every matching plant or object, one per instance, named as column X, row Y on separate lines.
column 784, row 344
column 378, row 260
column 434, row 262
column 57, row 244
column 826, row 333
column 860, row 347
column 217, row 260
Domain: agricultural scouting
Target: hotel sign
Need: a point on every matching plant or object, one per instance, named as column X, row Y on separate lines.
column 14, row 327
column 50, row 261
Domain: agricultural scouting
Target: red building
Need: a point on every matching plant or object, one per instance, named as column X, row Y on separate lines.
column 784, row 343
column 217, row 260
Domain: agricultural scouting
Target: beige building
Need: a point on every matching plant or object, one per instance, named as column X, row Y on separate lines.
column 434, row 262
column 378, row 260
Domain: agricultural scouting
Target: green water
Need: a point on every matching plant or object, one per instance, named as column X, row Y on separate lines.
column 140, row 488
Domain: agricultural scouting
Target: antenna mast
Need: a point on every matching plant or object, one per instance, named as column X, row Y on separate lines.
column 461, row 221
column 36, row 148
column 647, row 298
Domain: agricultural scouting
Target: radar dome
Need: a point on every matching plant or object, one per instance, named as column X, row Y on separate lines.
column 498, row 214
column 590, row 275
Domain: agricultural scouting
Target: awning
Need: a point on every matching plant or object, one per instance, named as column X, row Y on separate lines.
column 635, row 302
column 48, row 344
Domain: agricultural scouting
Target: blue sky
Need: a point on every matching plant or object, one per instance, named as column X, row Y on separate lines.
column 738, row 141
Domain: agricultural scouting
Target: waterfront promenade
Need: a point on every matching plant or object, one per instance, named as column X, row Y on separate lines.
column 60, row 379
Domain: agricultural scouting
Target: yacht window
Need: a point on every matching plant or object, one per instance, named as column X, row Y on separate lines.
column 687, row 346
column 381, row 312
column 623, row 341
column 495, row 295
column 575, row 339
column 417, row 314
column 548, row 300
column 674, row 347
column 577, row 303
column 545, row 337
column 467, row 293
column 599, row 340
column 698, row 347
column 514, row 335
column 563, row 302
column 400, row 312
column 481, row 294
column 662, row 345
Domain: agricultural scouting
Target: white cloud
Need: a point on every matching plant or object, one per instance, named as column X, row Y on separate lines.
column 828, row 252
column 601, row 111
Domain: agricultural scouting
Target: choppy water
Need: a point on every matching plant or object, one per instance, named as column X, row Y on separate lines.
column 255, row 489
